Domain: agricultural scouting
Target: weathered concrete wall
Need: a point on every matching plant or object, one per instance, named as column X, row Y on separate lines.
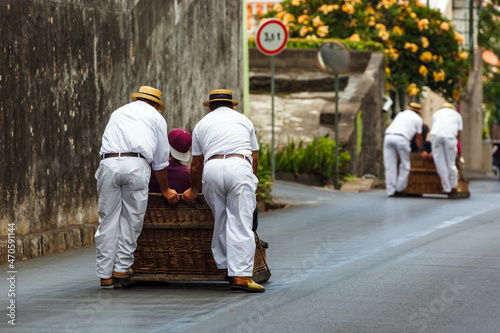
column 188, row 48
column 65, row 67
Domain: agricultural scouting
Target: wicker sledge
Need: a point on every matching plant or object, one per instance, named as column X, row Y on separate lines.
column 175, row 245
column 424, row 179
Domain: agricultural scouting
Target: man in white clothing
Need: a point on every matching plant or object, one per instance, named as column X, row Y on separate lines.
column 397, row 145
column 135, row 136
column 445, row 130
column 225, row 161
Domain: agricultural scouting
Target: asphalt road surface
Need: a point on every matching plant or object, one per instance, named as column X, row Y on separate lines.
column 341, row 262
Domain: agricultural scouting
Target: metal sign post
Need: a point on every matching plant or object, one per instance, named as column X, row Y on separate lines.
column 333, row 58
column 271, row 39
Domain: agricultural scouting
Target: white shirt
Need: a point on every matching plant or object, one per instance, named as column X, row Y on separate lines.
column 138, row 127
column 407, row 123
column 446, row 123
column 224, row 131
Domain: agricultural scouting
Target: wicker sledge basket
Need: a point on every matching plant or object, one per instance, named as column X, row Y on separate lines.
column 175, row 245
column 424, row 179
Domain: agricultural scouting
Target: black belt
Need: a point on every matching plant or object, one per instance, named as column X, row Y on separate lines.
column 103, row 156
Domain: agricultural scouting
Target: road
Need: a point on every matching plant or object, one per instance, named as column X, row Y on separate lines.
column 341, row 262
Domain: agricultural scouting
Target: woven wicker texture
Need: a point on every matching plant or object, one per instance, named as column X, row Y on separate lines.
column 424, row 178
column 176, row 239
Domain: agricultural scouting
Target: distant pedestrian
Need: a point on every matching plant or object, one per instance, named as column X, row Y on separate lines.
column 135, row 136
column 225, row 158
column 405, row 125
column 446, row 127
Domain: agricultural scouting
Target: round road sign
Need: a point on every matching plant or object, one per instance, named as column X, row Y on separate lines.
column 271, row 37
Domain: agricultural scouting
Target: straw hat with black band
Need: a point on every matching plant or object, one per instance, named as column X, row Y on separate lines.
column 415, row 107
column 448, row 106
column 220, row 95
column 150, row 94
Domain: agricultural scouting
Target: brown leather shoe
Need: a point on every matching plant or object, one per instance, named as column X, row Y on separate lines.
column 107, row 282
column 122, row 279
column 246, row 283
column 120, row 275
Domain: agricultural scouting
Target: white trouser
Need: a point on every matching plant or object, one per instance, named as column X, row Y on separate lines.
column 122, row 186
column 444, row 153
column 229, row 188
column 394, row 146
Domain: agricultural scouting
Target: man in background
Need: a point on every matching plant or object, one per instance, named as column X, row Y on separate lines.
column 445, row 130
column 407, row 124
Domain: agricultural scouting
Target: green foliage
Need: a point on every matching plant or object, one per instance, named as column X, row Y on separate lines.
column 422, row 48
column 264, row 188
column 489, row 39
column 301, row 43
column 318, row 158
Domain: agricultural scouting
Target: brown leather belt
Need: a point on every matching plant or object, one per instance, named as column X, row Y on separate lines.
column 121, row 154
column 218, row 157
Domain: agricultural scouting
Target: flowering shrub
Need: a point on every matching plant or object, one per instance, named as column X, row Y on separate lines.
column 421, row 46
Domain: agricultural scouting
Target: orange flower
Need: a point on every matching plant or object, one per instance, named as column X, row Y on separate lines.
column 354, row 38
column 459, row 38
column 384, row 35
column 397, row 31
column 392, row 53
column 412, row 89
column 317, row 21
column 413, row 47
column 439, row 76
column 425, row 42
column 445, row 26
column 423, row 70
column 456, row 94
column 323, row 31
column 302, row 19
column 426, row 56
column 278, row 7
column 323, row 8
column 464, row 55
column 304, row 30
column 288, row 18
column 423, row 24
column 348, row 8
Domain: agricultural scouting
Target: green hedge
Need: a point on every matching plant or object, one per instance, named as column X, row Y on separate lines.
column 301, row 43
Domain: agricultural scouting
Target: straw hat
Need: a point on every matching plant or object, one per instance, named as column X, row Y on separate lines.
column 448, row 106
column 221, row 95
column 415, row 107
column 180, row 142
column 151, row 94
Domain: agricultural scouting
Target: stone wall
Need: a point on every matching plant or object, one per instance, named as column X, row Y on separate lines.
column 65, row 67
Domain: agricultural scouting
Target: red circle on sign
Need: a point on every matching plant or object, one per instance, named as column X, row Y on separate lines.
column 259, row 32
